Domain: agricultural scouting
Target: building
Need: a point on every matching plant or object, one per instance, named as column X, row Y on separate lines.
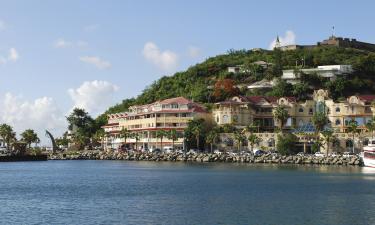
column 242, row 111
column 329, row 71
column 346, row 43
column 146, row 120
column 262, row 85
column 335, row 42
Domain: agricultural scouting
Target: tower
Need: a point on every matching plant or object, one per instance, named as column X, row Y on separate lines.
column 277, row 44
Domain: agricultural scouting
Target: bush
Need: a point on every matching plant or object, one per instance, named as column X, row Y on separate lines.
column 286, row 144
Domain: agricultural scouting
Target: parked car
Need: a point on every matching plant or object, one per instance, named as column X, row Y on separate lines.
column 155, row 150
column 259, row 152
column 334, row 154
column 300, row 154
column 218, row 152
column 168, row 149
column 192, row 151
column 347, row 154
column 319, row 154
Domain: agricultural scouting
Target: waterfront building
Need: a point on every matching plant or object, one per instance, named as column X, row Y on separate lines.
column 146, row 120
column 241, row 111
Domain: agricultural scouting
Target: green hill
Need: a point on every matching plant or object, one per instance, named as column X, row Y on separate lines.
column 208, row 81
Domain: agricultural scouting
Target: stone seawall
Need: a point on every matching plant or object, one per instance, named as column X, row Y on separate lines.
column 209, row 157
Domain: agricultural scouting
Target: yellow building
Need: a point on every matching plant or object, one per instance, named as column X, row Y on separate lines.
column 242, row 111
column 146, row 120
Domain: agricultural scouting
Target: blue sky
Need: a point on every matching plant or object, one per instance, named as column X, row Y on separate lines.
column 93, row 54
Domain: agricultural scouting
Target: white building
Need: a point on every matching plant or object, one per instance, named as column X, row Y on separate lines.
column 329, row 71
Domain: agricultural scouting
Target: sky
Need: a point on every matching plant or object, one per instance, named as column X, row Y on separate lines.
column 56, row 55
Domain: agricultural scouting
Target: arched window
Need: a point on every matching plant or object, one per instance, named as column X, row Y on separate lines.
column 225, row 119
column 337, row 109
column 311, row 111
column 300, row 110
column 217, row 119
column 338, row 122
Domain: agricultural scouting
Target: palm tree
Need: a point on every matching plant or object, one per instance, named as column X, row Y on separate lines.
column 240, row 138
column 370, row 126
column 197, row 133
column 319, row 120
column 135, row 135
column 329, row 138
column 281, row 116
column 7, row 135
column 161, row 134
column 124, row 133
column 353, row 129
column 253, row 139
column 211, row 138
column 29, row 136
column 173, row 135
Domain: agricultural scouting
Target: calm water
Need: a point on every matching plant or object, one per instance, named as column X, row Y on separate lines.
column 117, row 192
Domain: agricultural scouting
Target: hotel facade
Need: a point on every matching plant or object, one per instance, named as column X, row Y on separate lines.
column 146, row 120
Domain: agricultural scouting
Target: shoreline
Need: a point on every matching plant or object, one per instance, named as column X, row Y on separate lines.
column 210, row 157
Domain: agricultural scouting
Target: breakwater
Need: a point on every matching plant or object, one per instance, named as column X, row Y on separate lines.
column 208, row 157
column 17, row 158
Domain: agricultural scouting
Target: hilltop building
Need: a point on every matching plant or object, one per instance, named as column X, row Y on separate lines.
column 329, row 71
column 334, row 41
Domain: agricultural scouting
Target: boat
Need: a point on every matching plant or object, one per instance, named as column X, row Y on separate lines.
column 369, row 154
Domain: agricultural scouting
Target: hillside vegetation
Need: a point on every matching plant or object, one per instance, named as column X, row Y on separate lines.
column 209, row 81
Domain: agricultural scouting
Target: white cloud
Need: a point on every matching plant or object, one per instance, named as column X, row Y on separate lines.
column 288, row 39
column 12, row 56
column 62, row 43
column 194, row 52
column 2, row 25
column 165, row 60
column 91, row 27
column 93, row 96
column 39, row 114
column 96, row 61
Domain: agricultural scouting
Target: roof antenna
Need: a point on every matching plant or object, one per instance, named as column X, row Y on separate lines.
column 333, row 31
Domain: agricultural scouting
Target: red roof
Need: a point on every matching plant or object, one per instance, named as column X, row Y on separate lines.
column 367, row 98
column 178, row 100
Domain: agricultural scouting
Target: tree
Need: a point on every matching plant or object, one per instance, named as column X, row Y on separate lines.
column 211, row 138
column 286, row 143
column 253, row 139
column 124, row 133
column 136, row 136
column 240, row 138
column 225, row 88
column 7, row 135
column 194, row 132
column 370, row 126
column 81, row 123
column 197, row 130
column 353, row 129
column 99, row 136
column 328, row 138
column 161, row 134
column 173, row 135
column 29, row 136
column 281, row 115
column 319, row 120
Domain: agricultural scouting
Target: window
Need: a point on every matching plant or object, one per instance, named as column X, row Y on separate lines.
column 225, row 119
column 217, row 119
column 337, row 109
column 311, row 111
column 174, row 106
column 300, row 110
column 338, row 122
